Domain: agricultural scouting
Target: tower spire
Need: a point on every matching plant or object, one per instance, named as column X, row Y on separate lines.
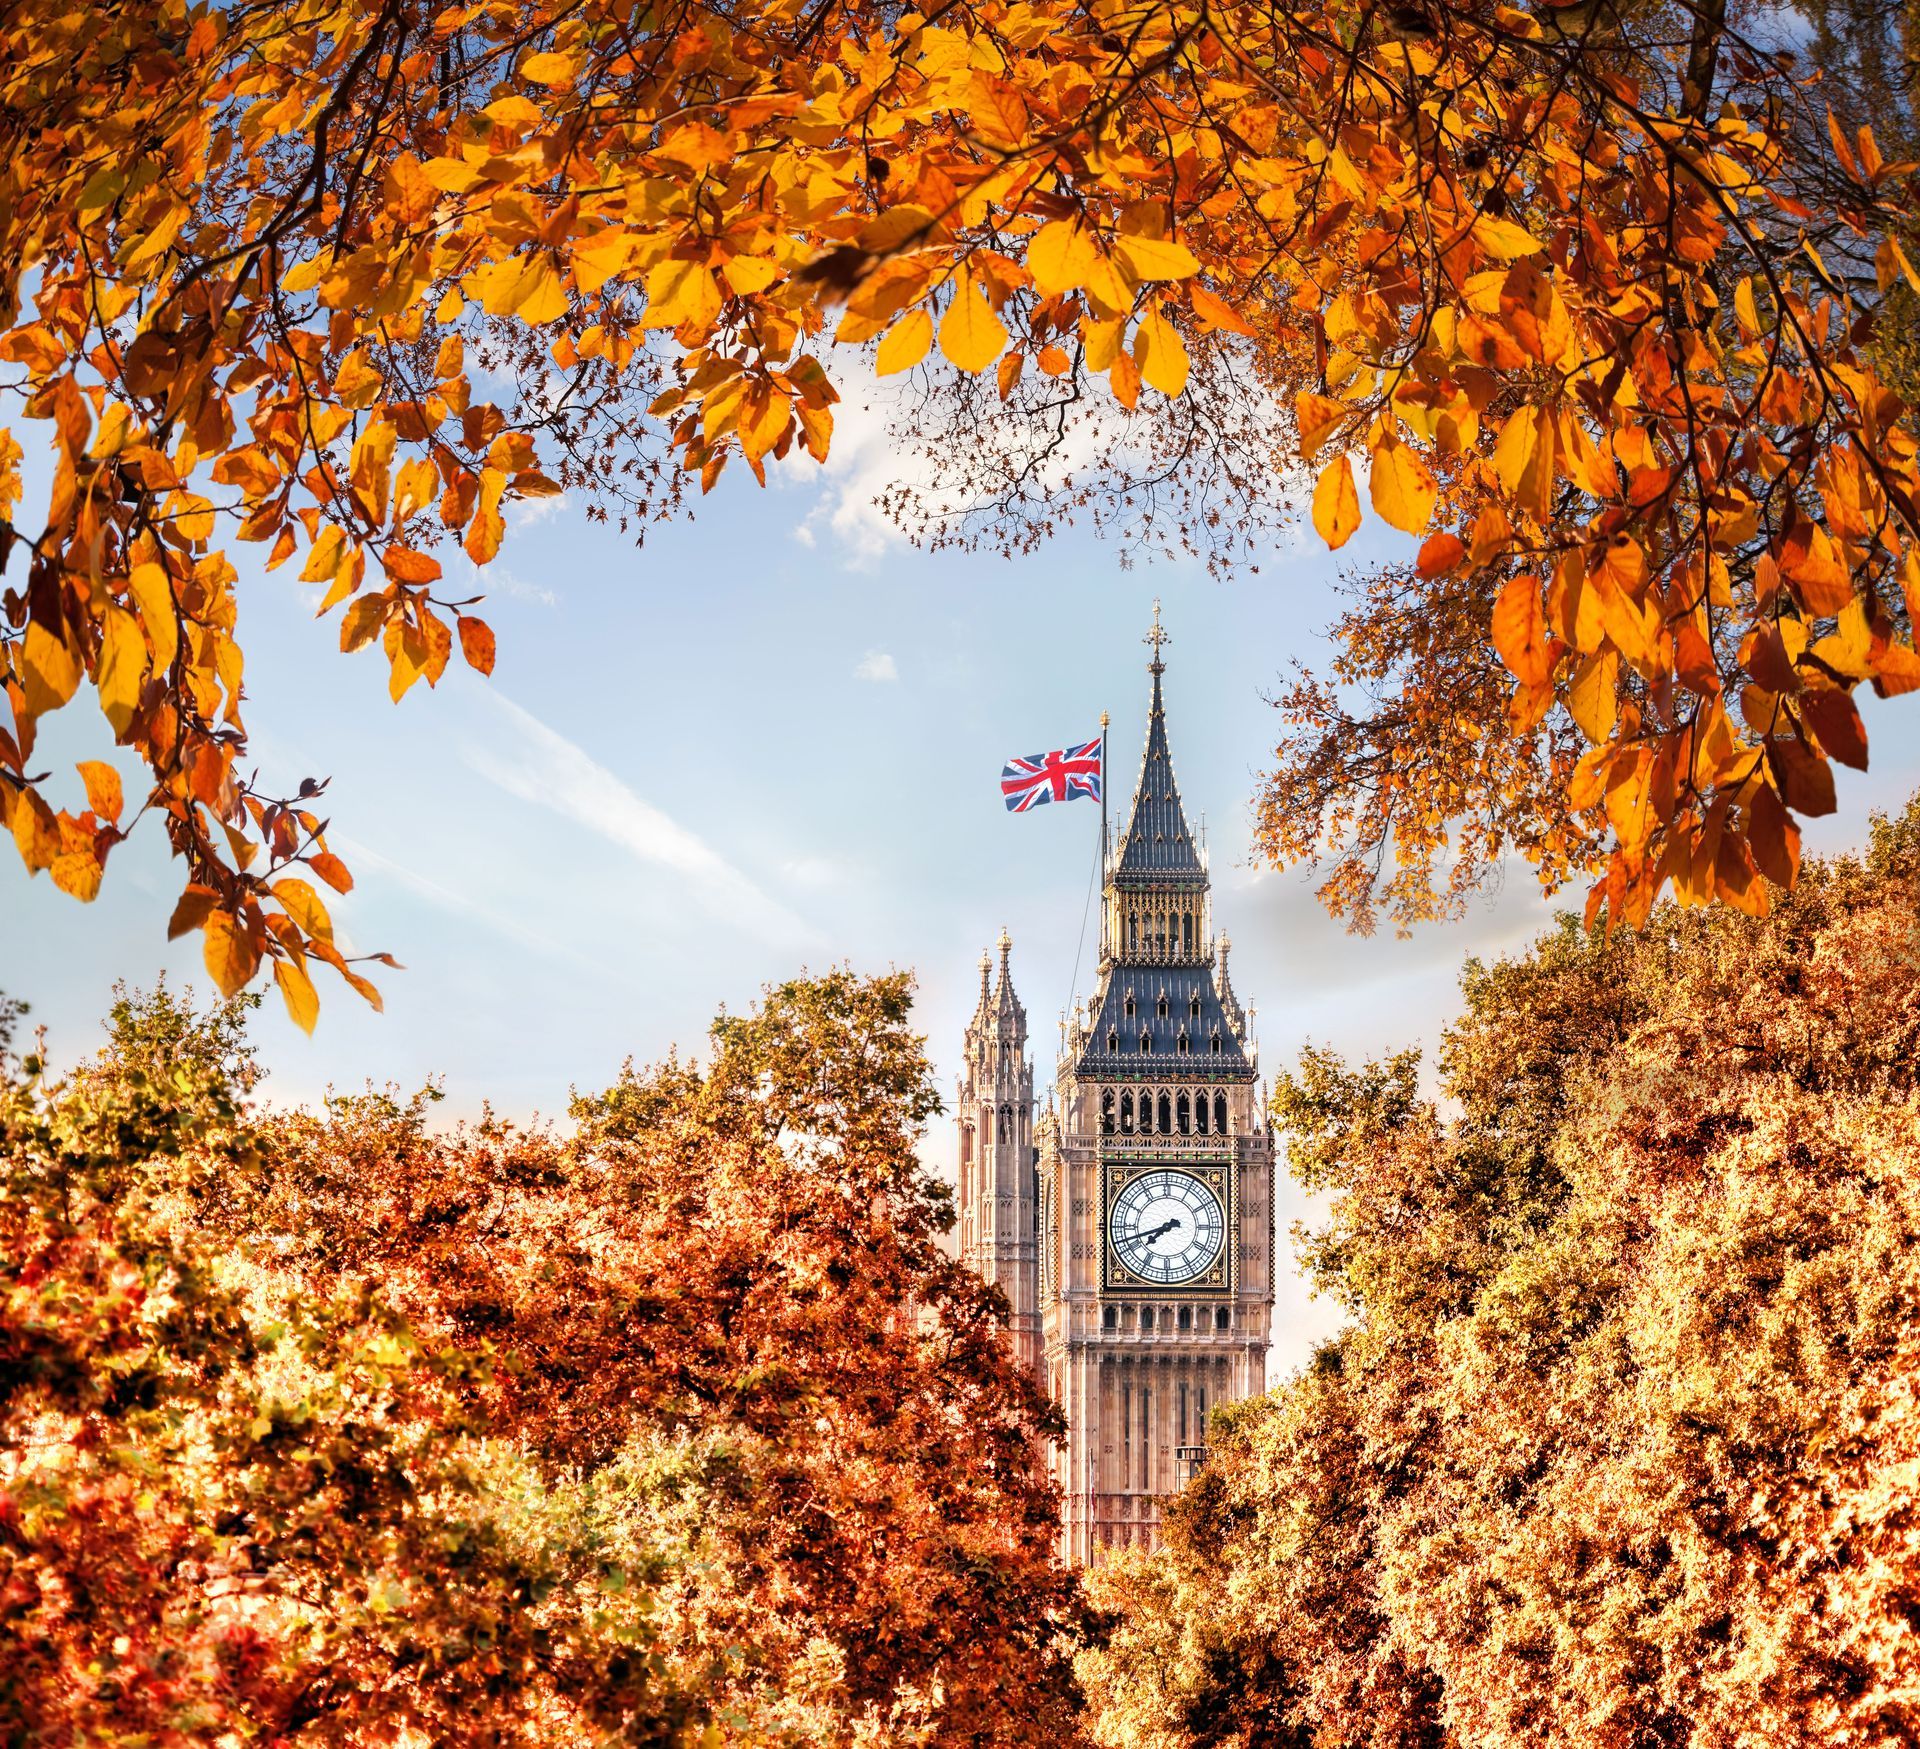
column 1157, row 841
column 1156, row 637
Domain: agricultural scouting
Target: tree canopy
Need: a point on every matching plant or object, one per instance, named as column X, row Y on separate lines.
column 1623, row 1444
column 681, row 1428
column 1586, row 291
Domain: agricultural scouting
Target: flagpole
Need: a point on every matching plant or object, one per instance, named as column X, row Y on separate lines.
column 1103, row 811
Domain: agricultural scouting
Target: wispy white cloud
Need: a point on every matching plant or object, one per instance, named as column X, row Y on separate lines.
column 818, row 872
column 865, row 461
column 361, row 856
column 876, row 665
column 869, row 459
column 497, row 579
column 526, row 513
column 545, row 768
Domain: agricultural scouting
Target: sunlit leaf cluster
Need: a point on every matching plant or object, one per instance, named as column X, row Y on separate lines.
column 1580, row 298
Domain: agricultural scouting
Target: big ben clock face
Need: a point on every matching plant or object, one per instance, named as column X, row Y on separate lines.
column 1167, row 1227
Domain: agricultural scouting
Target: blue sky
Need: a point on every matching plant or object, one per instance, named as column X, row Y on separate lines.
column 768, row 739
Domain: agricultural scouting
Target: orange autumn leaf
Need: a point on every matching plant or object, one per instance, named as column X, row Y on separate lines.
column 476, row 643
column 1336, row 503
column 1520, row 631
column 104, row 795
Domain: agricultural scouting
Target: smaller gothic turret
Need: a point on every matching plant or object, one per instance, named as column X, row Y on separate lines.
column 998, row 1191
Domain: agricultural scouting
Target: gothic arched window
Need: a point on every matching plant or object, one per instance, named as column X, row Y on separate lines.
column 1146, row 1114
column 1129, row 1004
column 1113, row 1043
column 1126, row 1114
column 1193, row 1007
column 1216, row 1044
column 1133, row 930
column 1183, row 1046
column 1146, row 1044
column 1166, row 1115
column 1163, row 1005
column 1186, row 932
column 1006, row 1121
column 1200, row 1114
column 1185, row 1119
column 1106, row 1112
column 1220, row 1113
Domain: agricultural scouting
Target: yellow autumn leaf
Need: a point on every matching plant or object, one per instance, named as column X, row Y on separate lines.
column 1316, row 417
column 323, row 561
column 548, row 69
column 679, row 292
column 1336, row 503
column 1593, row 699
column 1156, row 258
column 77, row 874
column 123, row 667
column 301, row 903
column 1504, row 240
column 1161, row 354
column 231, row 953
column 905, row 344
column 1062, row 256
column 296, row 990
column 538, row 295
column 105, row 796
column 746, row 274
column 151, row 591
column 51, row 671
column 452, row 175
column 1402, row 489
column 526, row 286
column 970, row 333
column 35, row 832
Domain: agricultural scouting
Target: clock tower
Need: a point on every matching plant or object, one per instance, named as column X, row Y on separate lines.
column 1154, row 1183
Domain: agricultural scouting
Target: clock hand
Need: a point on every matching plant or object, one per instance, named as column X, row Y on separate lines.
column 1164, row 1227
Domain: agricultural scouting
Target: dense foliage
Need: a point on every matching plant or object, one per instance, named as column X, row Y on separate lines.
column 1622, row 1447
column 1587, row 291
column 680, row 1428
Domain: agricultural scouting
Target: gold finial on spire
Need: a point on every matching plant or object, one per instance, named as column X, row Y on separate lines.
column 1103, row 719
column 1006, row 944
column 1156, row 637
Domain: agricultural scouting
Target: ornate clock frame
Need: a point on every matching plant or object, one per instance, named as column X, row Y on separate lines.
column 1214, row 1167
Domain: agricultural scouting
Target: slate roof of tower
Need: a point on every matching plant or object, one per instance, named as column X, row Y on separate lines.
column 1157, row 842
column 1180, row 984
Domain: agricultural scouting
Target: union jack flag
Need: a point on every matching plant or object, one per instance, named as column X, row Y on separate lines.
column 1039, row 778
